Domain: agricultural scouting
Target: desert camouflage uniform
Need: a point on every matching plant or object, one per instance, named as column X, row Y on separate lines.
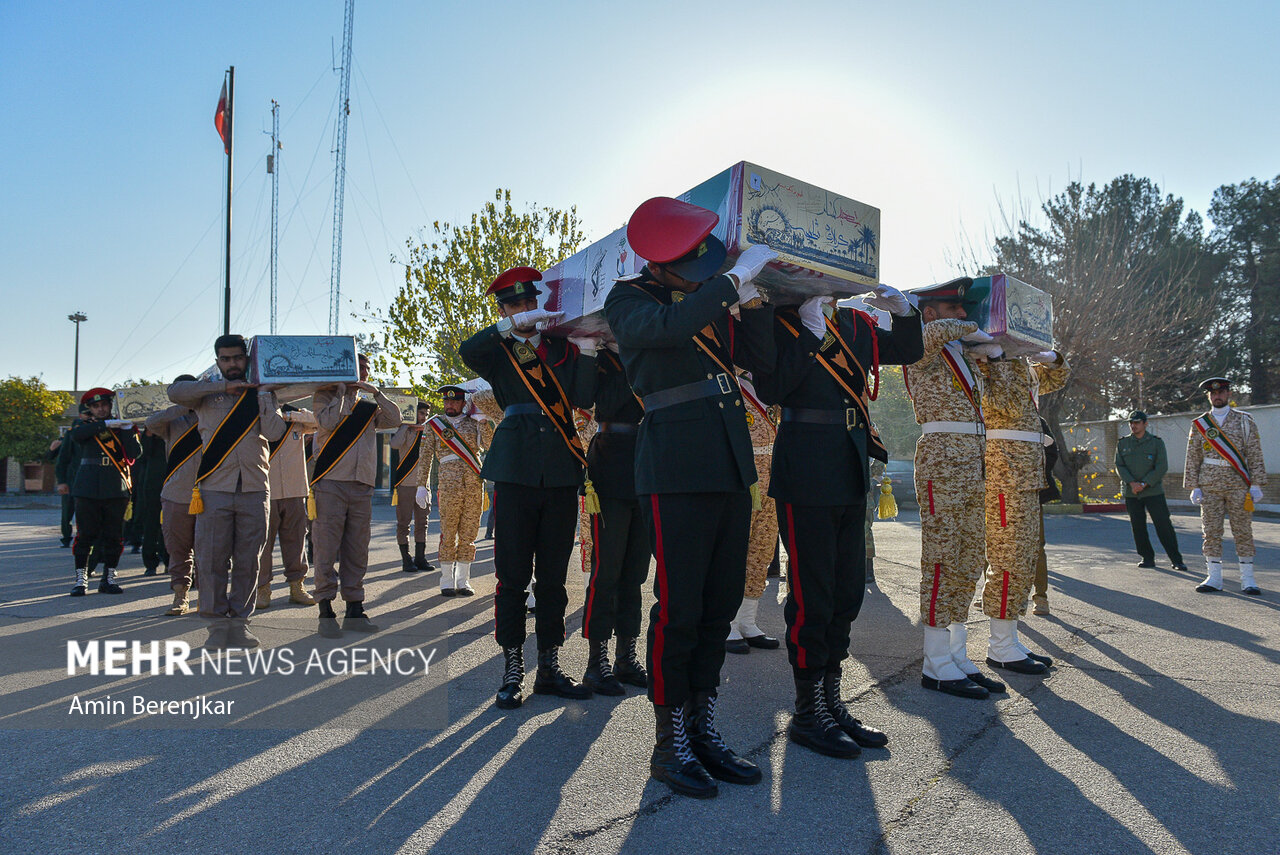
column 949, row 483
column 1224, row 490
column 1015, row 476
column 763, row 540
column 461, row 492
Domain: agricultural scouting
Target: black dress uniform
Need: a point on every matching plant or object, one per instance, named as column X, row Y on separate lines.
column 536, row 479
column 819, row 481
column 101, row 492
column 694, row 470
column 620, row 542
column 150, row 473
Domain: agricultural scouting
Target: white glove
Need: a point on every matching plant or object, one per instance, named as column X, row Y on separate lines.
column 889, row 299
column 586, row 344
column 1256, row 492
column 539, row 319
column 748, row 267
column 122, row 424
column 984, row 352
column 811, row 315
column 977, row 337
column 1197, row 496
column 1045, row 357
column 612, row 345
column 423, row 497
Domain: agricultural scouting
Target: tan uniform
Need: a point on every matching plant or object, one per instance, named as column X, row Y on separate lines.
column 948, row 476
column 460, row 490
column 763, row 540
column 410, row 519
column 1015, row 476
column 344, row 496
column 1224, row 490
column 177, row 525
column 232, row 530
column 287, row 515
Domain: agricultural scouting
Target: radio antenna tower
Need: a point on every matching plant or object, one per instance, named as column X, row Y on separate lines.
column 340, row 174
column 273, row 169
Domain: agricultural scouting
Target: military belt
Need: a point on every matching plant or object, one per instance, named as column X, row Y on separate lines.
column 101, row 460
column 618, row 427
column 720, row 384
column 1018, row 435
column 850, row 418
column 972, row 428
column 522, row 410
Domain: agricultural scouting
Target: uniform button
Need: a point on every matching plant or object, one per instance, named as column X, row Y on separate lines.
column 722, row 405
column 708, row 376
column 542, row 430
column 726, row 305
column 737, row 402
column 846, row 400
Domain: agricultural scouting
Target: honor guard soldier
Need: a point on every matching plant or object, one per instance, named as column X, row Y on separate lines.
column 343, row 474
column 695, row 470
column 945, row 390
column 229, row 494
column 1225, row 473
column 65, row 473
column 819, row 481
column 150, row 474
column 179, row 428
column 762, row 544
column 287, row 514
column 108, row 448
column 536, row 465
column 407, row 442
column 619, row 544
column 454, row 441
column 1014, row 459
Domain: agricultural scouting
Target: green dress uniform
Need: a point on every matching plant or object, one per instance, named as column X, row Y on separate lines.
column 1145, row 460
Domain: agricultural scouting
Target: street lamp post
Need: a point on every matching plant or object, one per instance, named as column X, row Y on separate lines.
column 76, row 319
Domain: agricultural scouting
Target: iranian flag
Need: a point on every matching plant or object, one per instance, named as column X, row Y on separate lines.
column 222, row 119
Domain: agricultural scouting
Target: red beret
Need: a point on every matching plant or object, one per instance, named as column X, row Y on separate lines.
column 664, row 229
column 516, row 284
column 96, row 394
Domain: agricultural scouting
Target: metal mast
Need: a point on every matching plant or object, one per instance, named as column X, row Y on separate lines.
column 340, row 175
column 273, row 169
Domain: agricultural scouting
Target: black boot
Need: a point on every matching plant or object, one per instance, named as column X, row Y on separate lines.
column 627, row 666
column 599, row 676
column 708, row 746
column 356, row 620
column 108, row 584
column 673, row 761
column 511, row 694
column 812, row 725
column 866, row 737
column 420, row 557
column 550, row 680
column 328, row 626
column 151, row 570
column 82, row 585
column 406, row 563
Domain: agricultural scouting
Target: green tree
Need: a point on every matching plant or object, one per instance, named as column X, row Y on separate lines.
column 442, row 301
column 1246, row 220
column 894, row 414
column 29, row 415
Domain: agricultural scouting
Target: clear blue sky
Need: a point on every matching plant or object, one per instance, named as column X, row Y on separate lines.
column 933, row 111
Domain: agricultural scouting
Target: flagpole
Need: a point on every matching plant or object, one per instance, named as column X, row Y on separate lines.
column 231, row 99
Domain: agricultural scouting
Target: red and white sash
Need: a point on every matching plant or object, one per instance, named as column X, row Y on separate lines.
column 1215, row 437
column 965, row 377
column 450, row 437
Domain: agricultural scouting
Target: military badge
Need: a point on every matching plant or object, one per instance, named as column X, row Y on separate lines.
column 751, row 419
column 828, row 341
column 1212, row 434
column 524, row 352
column 1207, row 446
column 677, row 296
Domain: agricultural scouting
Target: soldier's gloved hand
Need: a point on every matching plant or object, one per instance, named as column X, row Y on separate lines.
column 422, row 497
column 889, row 299
column 534, row 319
column 1256, row 492
column 748, row 267
column 985, row 352
column 812, row 316
column 587, row 345
column 1045, row 357
column 611, row 345
column 1197, row 496
column 977, row 337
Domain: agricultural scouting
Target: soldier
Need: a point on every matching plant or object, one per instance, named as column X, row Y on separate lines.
column 344, row 471
column 695, row 470
column 945, row 390
column 229, row 493
column 619, row 545
column 179, row 428
column 101, row 488
column 762, row 543
column 287, row 512
column 1015, row 476
column 1141, row 462
column 64, row 470
column 1225, row 473
column 536, row 465
column 151, row 472
column 819, row 480
column 407, row 442
column 454, row 440
column 68, row 504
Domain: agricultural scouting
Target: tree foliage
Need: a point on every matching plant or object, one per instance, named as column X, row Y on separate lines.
column 446, row 272
column 894, row 415
column 29, row 415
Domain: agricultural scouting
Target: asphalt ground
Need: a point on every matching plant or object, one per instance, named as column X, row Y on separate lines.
column 1157, row 731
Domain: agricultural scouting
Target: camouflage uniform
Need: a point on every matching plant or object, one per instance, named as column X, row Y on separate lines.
column 764, row 523
column 461, row 492
column 1224, row 490
column 948, row 476
column 1015, row 476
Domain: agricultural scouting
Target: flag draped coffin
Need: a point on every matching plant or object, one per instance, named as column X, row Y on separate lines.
column 1019, row 316
column 302, row 363
column 135, row 403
